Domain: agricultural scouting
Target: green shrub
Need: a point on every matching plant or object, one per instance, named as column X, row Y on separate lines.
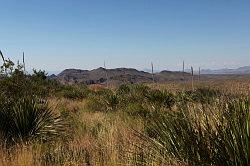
column 27, row 119
column 74, row 92
column 15, row 82
column 136, row 109
column 96, row 104
column 221, row 138
column 132, row 88
column 201, row 95
column 111, row 101
column 103, row 101
column 103, row 92
column 39, row 75
column 23, row 107
column 205, row 95
column 161, row 99
column 132, row 93
column 124, row 89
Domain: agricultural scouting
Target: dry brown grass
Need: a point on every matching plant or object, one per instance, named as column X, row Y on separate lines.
column 20, row 155
column 226, row 86
column 101, row 138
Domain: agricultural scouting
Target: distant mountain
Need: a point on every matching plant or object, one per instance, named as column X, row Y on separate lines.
column 150, row 70
column 115, row 76
column 238, row 71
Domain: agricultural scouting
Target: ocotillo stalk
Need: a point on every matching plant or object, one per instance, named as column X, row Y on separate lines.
column 106, row 74
column 192, row 72
column 199, row 74
column 3, row 62
column 183, row 70
column 2, row 56
column 23, row 62
column 152, row 70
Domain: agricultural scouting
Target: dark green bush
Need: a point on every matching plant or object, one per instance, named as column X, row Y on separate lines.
column 39, row 75
column 132, row 93
column 103, row 92
column 111, row 101
column 161, row 99
column 124, row 89
column 23, row 107
column 104, row 101
column 205, row 95
column 19, row 84
column 136, row 109
column 76, row 92
column 15, row 82
column 201, row 95
column 96, row 104
column 27, row 119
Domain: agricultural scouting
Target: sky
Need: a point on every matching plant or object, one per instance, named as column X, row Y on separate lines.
column 60, row 34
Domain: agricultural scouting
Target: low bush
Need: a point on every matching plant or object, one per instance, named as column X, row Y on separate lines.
column 132, row 93
column 96, row 104
column 161, row 99
column 136, row 109
column 23, row 107
column 76, row 92
column 111, row 101
column 104, row 101
column 200, row 95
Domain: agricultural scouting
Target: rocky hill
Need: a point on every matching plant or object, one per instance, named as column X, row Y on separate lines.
column 116, row 76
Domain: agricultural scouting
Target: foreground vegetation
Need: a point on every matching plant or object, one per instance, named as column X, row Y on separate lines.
column 46, row 123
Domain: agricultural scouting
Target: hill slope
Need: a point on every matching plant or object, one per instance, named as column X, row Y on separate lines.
column 116, row 76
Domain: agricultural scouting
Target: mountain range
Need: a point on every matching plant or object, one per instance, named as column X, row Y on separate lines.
column 115, row 76
column 119, row 76
column 240, row 70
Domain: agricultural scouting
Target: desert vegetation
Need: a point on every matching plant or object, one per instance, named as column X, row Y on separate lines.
column 46, row 123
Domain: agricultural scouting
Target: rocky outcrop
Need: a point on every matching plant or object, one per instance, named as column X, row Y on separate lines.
column 115, row 76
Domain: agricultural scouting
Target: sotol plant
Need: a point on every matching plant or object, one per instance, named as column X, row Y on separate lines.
column 218, row 138
column 24, row 116
column 28, row 119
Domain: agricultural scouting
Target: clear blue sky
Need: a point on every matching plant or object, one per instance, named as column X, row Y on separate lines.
column 59, row 34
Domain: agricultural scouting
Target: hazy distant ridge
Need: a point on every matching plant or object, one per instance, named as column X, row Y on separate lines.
column 240, row 70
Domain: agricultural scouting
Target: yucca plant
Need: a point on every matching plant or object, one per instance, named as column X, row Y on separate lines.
column 112, row 101
column 137, row 110
column 76, row 92
column 28, row 119
column 160, row 99
column 205, row 95
column 200, row 137
column 132, row 93
column 200, row 95
column 105, row 100
column 233, row 141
